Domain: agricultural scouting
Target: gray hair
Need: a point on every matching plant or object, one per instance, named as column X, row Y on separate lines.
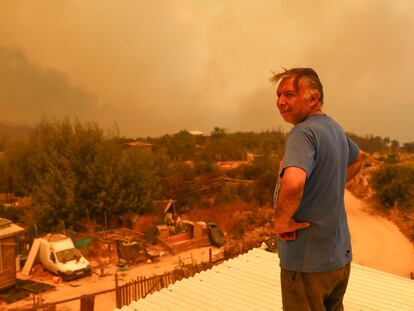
column 307, row 74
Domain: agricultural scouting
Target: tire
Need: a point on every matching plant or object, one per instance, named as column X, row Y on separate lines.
column 216, row 235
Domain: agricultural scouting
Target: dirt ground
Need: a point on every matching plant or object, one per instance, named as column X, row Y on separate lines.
column 94, row 283
column 376, row 241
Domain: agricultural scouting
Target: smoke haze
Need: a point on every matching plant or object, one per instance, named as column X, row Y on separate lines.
column 162, row 66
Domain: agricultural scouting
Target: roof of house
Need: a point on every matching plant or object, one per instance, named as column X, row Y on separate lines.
column 196, row 133
column 7, row 228
column 251, row 282
column 139, row 144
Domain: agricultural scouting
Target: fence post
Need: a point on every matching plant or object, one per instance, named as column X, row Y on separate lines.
column 117, row 294
column 87, row 302
column 162, row 282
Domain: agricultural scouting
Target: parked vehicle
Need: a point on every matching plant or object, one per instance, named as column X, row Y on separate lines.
column 58, row 254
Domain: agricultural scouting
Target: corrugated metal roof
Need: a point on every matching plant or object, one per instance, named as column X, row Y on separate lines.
column 251, row 282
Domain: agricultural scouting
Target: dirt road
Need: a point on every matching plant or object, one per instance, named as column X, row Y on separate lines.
column 376, row 241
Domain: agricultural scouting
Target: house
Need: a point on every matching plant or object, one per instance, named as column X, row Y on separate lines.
column 139, row 144
column 251, row 282
column 8, row 234
column 196, row 133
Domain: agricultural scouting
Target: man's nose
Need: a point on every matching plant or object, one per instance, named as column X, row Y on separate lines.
column 280, row 101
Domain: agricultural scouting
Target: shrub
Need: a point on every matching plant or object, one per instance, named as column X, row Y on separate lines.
column 394, row 185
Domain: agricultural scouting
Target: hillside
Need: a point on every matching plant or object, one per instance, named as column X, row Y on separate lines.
column 76, row 172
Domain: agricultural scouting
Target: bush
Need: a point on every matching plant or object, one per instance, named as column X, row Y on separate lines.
column 394, row 185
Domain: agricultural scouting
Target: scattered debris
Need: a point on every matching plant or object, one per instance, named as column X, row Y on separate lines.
column 190, row 235
column 33, row 286
column 132, row 252
column 22, row 290
column 34, row 250
column 121, row 234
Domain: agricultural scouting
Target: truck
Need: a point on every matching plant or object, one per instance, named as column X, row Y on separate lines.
column 59, row 255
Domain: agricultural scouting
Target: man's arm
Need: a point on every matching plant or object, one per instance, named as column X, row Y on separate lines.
column 355, row 166
column 290, row 195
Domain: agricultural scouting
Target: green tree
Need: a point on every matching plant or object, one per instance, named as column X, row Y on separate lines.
column 75, row 170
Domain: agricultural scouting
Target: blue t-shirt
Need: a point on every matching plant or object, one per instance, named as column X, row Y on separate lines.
column 319, row 146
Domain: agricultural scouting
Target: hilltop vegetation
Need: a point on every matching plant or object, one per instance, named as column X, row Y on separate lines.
column 74, row 170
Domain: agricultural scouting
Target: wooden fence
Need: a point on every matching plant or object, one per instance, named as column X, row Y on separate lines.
column 142, row 286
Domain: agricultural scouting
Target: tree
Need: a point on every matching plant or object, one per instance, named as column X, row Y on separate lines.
column 179, row 147
column 179, row 183
column 408, row 147
column 75, row 170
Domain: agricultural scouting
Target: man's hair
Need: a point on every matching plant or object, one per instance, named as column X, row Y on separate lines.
column 307, row 74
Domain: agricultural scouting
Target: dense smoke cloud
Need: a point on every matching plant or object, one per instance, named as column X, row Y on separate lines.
column 28, row 91
column 157, row 67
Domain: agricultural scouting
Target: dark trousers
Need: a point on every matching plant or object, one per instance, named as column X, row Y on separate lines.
column 317, row 291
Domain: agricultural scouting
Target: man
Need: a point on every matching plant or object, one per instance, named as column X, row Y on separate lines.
column 310, row 220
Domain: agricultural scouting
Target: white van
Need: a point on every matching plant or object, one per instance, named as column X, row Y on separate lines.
column 58, row 254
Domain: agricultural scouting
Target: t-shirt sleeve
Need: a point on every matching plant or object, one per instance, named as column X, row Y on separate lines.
column 353, row 151
column 299, row 152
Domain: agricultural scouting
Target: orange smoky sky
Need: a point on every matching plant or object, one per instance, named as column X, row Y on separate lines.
column 155, row 67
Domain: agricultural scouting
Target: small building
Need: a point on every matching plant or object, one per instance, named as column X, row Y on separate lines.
column 139, row 144
column 196, row 133
column 8, row 238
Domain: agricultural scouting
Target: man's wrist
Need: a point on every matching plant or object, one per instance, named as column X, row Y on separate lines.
column 280, row 218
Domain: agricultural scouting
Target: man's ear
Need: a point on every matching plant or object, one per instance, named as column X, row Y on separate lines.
column 314, row 98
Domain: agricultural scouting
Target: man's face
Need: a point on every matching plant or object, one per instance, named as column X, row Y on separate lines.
column 293, row 105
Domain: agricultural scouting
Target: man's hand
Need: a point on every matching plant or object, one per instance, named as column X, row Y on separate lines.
column 287, row 236
column 287, row 230
column 355, row 166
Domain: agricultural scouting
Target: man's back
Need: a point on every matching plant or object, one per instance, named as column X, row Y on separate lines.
column 319, row 146
column 310, row 219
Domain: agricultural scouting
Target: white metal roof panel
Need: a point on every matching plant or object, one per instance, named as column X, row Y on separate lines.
column 251, row 282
